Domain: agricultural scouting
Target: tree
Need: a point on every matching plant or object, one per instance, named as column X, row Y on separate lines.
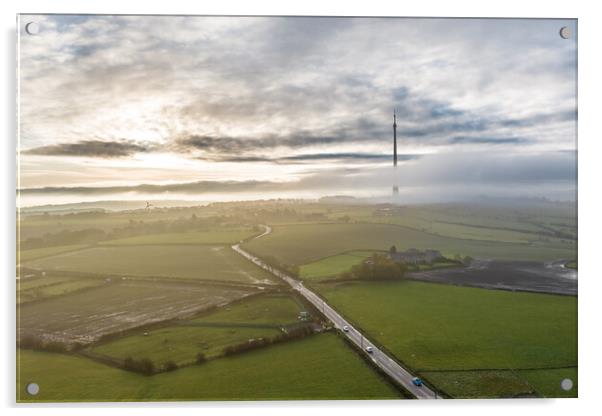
column 170, row 365
column 200, row 358
column 393, row 250
column 144, row 365
column 378, row 267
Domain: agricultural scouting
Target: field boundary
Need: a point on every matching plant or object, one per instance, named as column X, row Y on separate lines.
column 413, row 229
column 20, row 263
column 450, row 239
column 474, row 370
column 164, row 279
column 503, row 289
column 78, row 291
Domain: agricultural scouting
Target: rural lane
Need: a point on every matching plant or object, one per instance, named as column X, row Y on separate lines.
column 379, row 357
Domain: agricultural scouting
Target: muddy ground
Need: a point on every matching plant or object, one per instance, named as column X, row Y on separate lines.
column 551, row 277
column 88, row 315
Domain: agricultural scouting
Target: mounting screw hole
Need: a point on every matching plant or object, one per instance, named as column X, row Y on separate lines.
column 565, row 32
column 32, row 389
column 32, row 28
column 566, row 384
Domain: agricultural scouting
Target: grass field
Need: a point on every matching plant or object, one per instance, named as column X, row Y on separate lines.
column 270, row 309
column 484, row 384
column 181, row 343
column 505, row 383
column 193, row 262
column 54, row 287
column 461, row 230
column 225, row 236
column 521, row 223
column 87, row 315
column 435, row 327
column 317, row 367
column 333, row 265
column 301, row 244
column 257, row 317
column 36, row 253
column 547, row 382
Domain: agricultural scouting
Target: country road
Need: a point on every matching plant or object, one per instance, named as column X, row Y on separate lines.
column 380, row 358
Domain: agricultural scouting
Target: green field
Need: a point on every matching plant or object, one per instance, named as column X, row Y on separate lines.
column 257, row 317
column 484, row 384
column 504, row 383
column 301, row 244
column 36, row 253
column 333, row 265
column 54, row 287
column 433, row 327
column 547, row 382
column 226, row 236
column 317, row 367
column 474, row 221
column 193, row 262
column 164, row 284
column 181, row 343
column 461, row 230
column 270, row 309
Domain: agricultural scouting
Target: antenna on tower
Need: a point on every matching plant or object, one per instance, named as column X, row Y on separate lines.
column 394, row 137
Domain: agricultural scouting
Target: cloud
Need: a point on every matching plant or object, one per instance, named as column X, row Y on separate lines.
column 308, row 92
column 487, row 140
column 441, row 176
column 235, row 145
column 312, row 157
column 199, row 187
column 91, row 148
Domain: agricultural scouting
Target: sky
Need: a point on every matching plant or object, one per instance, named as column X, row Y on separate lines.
column 226, row 108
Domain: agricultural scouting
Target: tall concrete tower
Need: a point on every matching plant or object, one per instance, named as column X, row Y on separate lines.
column 395, row 188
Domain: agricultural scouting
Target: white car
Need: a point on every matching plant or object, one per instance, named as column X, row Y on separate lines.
column 369, row 349
column 345, row 328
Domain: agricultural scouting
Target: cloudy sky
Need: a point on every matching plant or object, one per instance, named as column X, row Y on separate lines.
column 119, row 107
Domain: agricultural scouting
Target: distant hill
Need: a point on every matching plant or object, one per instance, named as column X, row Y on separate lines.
column 106, row 206
column 338, row 199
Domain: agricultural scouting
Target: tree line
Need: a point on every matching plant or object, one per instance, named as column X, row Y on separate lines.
column 293, row 334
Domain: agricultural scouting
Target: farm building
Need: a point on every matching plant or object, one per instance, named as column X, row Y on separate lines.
column 414, row 256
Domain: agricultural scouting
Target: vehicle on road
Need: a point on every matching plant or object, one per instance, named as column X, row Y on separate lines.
column 345, row 328
column 369, row 349
column 416, row 381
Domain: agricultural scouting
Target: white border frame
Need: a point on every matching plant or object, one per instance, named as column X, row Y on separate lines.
column 589, row 205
